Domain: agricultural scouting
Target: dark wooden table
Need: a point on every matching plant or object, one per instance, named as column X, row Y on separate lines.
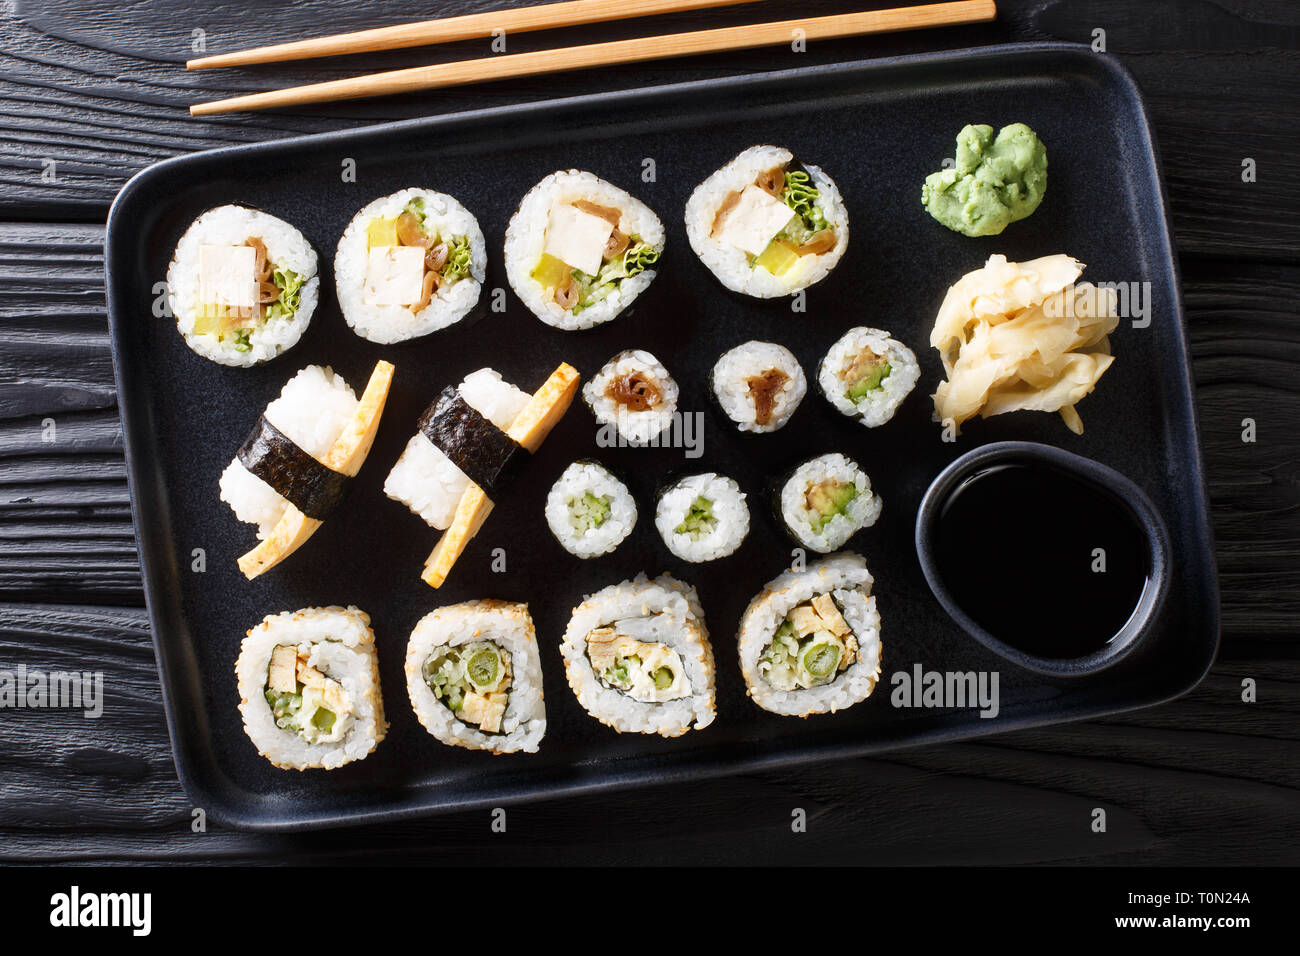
column 90, row 93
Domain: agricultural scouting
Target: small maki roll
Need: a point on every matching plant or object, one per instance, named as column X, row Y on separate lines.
column 767, row 225
column 810, row 642
column 409, row 264
column 590, row 511
column 759, row 385
column 637, row 657
column 579, row 250
column 826, row 501
column 703, row 517
column 475, row 678
column 634, row 395
column 293, row 469
column 866, row 375
column 242, row 285
column 309, row 688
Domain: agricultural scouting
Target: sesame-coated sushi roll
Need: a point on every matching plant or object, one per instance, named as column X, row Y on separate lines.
column 590, row 511
column 759, row 385
column 242, row 285
column 826, row 501
column 633, row 395
column 580, row 250
column 767, row 225
column 475, row 678
column 637, row 657
column 703, row 517
column 409, row 264
column 309, row 688
column 866, row 375
column 810, row 642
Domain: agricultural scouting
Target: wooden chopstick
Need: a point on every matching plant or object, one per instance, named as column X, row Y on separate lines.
column 450, row 29
column 604, row 54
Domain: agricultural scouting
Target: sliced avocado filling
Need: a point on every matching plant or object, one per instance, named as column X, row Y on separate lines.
column 589, row 512
column 699, row 520
column 828, row 498
column 868, row 379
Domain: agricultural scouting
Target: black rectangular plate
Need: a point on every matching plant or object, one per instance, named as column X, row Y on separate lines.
column 878, row 128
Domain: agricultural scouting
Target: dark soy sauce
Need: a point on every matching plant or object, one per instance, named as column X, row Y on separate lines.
column 1016, row 548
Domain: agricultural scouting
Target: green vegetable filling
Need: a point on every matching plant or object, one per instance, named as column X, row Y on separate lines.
column 468, row 679
column 805, row 652
column 827, row 499
column 870, row 380
column 800, row 195
column 636, row 258
column 589, row 512
column 699, row 520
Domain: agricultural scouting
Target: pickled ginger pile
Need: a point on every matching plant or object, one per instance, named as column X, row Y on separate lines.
column 1022, row 335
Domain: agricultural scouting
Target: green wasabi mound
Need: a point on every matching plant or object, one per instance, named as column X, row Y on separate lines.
column 997, row 180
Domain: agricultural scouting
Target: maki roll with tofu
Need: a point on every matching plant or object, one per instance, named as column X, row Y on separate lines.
column 810, row 642
column 767, row 225
column 590, row 511
column 242, row 286
column 637, row 657
column 409, row 264
column 634, row 395
column 475, row 678
column 866, row 375
column 703, row 517
column 826, row 501
column 580, row 250
column 294, row 467
column 759, row 385
column 309, row 688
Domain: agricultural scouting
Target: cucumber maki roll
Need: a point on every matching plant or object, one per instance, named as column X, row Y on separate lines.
column 826, row 501
column 703, row 517
column 589, row 511
column 866, row 375
column 767, row 225
column 759, row 385
column 634, row 395
column 309, row 688
column 810, row 641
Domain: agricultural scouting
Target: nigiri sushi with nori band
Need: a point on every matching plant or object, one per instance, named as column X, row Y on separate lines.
column 293, row 469
column 810, row 641
column 242, row 286
column 470, row 446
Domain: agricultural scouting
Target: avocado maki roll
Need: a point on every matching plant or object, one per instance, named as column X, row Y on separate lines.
column 703, row 517
column 810, row 641
column 309, row 688
column 589, row 511
column 866, row 375
column 475, row 678
column 759, row 385
column 826, row 501
column 767, row 225
column 637, row 657
column 409, row 264
column 242, row 286
column 634, row 395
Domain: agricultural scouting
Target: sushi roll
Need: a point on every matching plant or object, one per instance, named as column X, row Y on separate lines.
column 309, row 688
column 475, row 678
column 866, row 375
column 589, row 511
column 580, row 250
column 634, row 395
column 468, row 449
column 637, row 657
column 766, row 225
column 759, row 385
column 242, row 286
column 810, row 642
column 294, row 467
column 826, row 501
column 409, row 264
column 703, row 517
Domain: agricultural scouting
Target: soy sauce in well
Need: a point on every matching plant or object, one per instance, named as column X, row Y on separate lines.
column 1017, row 548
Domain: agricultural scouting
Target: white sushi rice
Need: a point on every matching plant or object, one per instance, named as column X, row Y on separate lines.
column 846, row 578
column 664, row 611
column 313, row 409
column 446, row 218
column 424, row 479
column 730, row 263
column 579, row 479
column 510, row 627
column 878, row 405
column 734, row 369
column 526, row 241
column 862, row 511
column 286, row 248
column 339, row 643
column 729, row 511
column 634, row 427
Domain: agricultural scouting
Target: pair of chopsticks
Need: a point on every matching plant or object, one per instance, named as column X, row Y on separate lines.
column 548, row 16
